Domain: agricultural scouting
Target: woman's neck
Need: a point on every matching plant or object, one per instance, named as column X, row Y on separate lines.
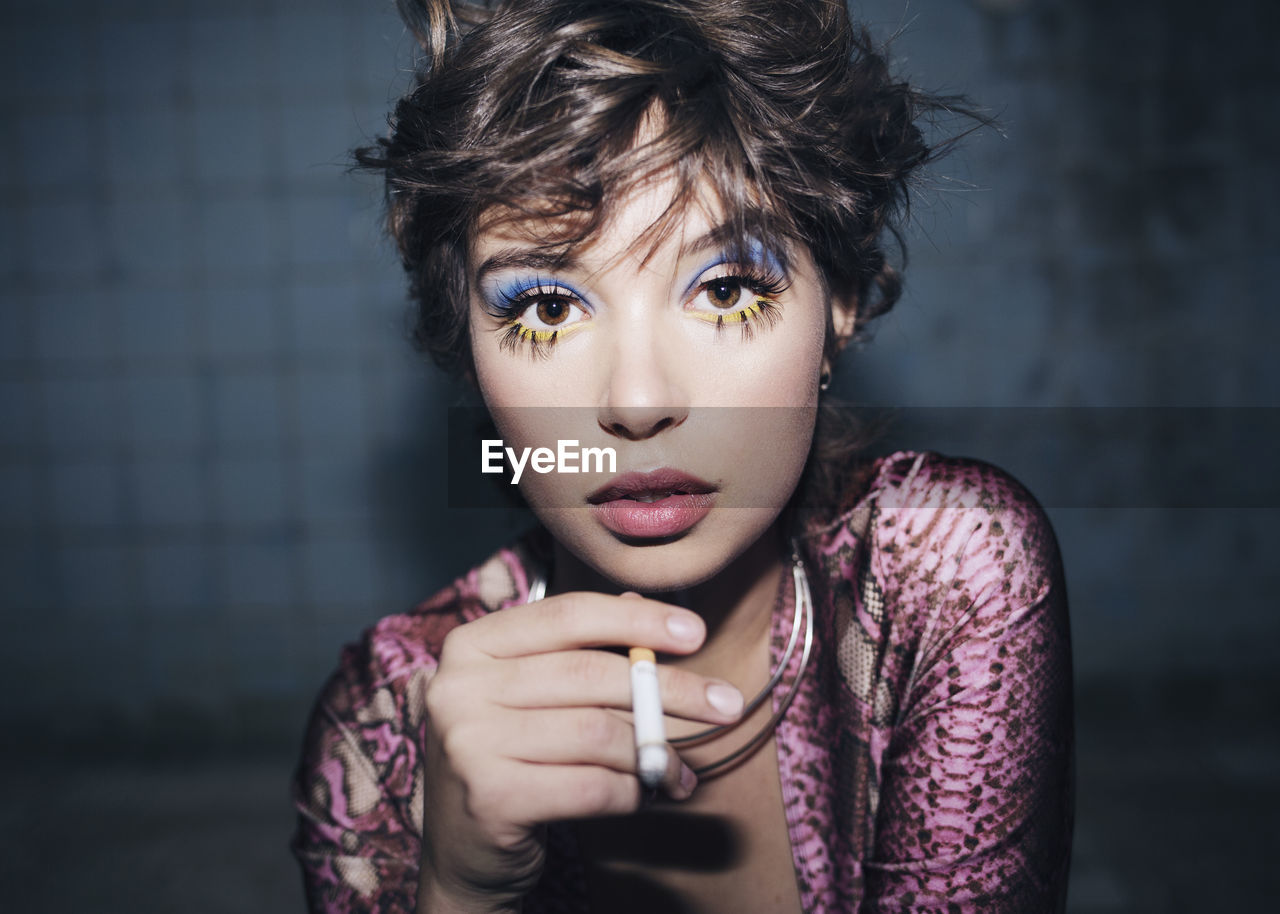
column 736, row 604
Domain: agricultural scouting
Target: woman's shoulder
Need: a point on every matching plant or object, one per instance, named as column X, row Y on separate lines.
column 950, row 632
column 929, row 519
column 929, row 481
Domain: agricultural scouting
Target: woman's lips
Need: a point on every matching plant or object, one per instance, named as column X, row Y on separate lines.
column 661, row 503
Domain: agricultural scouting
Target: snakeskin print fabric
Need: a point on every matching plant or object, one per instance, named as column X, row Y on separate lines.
column 927, row 760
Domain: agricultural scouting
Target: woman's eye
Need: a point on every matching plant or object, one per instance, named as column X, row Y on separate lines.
column 552, row 310
column 741, row 301
column 548, row 312
column 723, row 293
column 539, row 318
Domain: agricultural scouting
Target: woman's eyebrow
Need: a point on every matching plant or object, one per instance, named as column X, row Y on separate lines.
column 715, row 237
column 724, row 239
column 527, row 259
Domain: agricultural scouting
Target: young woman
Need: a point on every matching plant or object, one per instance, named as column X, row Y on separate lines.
column 665, row 218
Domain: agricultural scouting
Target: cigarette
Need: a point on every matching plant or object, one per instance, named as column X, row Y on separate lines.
column 646, row 706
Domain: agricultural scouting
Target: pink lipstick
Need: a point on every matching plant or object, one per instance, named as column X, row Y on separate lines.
column 661, row 503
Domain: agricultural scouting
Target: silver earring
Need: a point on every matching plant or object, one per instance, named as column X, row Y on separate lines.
column 824, row 379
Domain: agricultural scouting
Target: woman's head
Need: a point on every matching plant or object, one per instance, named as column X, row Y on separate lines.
column 779, row 109
column 686, row 200
column 694, row 361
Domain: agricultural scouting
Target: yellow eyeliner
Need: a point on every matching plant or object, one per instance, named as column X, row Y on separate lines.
column 516, row 332
column 742, row 315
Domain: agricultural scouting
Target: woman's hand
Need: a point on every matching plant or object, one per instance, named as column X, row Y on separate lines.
column 522, row 731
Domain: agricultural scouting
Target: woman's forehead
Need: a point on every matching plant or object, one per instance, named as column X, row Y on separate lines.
column 651, row 220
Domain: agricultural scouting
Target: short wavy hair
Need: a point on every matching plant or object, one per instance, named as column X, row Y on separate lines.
column 782, row 107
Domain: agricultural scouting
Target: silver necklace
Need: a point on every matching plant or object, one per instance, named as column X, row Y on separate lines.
column 804, row 607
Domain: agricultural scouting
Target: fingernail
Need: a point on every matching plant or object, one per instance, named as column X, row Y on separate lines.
column 688, row 781
column 724, row 698
column 682, row 627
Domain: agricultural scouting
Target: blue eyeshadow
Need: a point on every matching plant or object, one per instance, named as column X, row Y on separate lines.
column 756, row 255
column 503, row 293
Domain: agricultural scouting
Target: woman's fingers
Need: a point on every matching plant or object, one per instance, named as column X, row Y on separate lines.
column 679, row 779
column 530, row 720
column 527, row 795
column 568, row 736
column 526, row 723
column 588, row 677
column 581, row 619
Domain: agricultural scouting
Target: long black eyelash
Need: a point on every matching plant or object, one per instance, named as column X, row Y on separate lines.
column 769, row 315
column 513, row 339
column 767, row 283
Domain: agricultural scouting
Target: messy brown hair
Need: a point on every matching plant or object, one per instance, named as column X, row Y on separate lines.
column 786, row 110
column 783, row 108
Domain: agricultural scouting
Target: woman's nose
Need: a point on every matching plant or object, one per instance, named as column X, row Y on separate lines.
column 644, row 391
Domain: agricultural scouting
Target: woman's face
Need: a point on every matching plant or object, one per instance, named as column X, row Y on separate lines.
column 697, row 365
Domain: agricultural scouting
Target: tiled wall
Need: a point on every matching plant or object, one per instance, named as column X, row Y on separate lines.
column 205, row 385
column 219, row 458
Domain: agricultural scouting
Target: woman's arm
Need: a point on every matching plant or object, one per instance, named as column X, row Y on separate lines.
column 977, row 784
column 356, row 791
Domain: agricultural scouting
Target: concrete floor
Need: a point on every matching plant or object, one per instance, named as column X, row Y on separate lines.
column 1177, row 814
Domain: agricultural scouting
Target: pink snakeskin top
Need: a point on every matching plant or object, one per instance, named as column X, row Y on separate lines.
column 927, row 762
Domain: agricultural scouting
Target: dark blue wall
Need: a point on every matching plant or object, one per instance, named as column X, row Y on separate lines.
column 219, row 458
